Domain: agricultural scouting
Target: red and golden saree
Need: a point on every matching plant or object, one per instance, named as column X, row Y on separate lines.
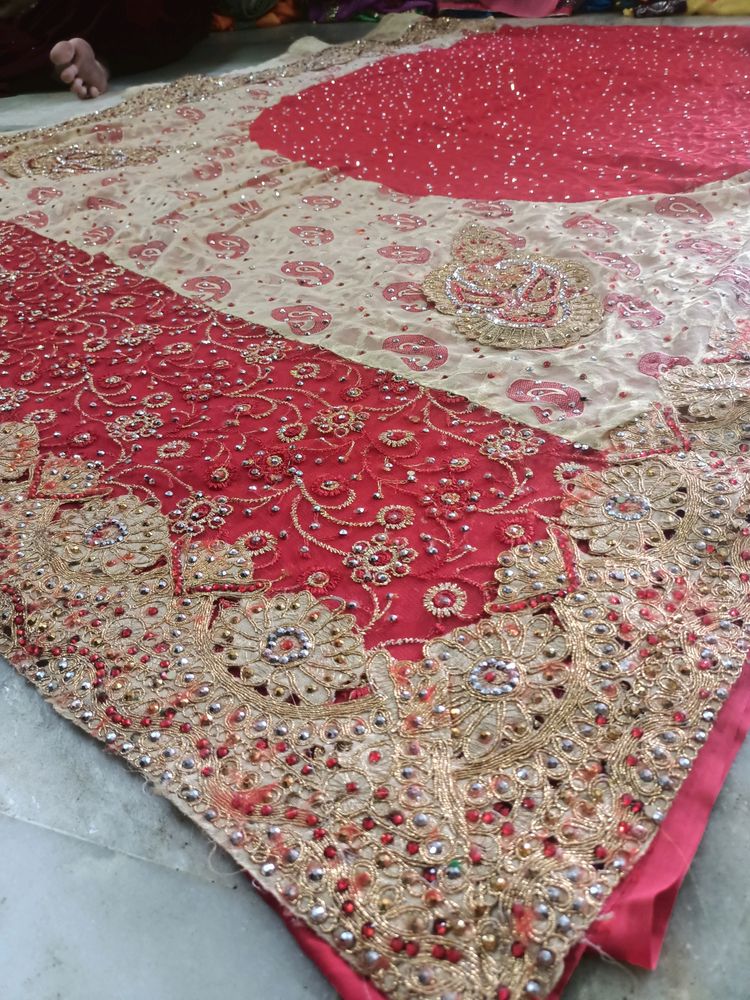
column 375, row 481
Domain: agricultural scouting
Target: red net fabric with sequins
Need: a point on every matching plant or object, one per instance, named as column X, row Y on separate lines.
column 448, row 686
column 516, row 115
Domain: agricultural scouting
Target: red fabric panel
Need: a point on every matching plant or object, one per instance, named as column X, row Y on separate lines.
column 532, row 114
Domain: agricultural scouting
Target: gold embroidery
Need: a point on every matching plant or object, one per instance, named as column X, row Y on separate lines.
column 710, row 390
column 629, row 508
column 452, row 823
column 445, row 600
column 291, row 647
column 38, row 158
column 19, row 446
column 509, row 299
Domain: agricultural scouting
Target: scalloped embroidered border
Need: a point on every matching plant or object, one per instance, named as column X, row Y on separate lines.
column 459, row 825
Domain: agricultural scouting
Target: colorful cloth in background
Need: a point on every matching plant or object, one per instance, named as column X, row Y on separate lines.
column 654, row 8
column 510, row 8
column 350, row 10
column 258, row 13
column 265, row 14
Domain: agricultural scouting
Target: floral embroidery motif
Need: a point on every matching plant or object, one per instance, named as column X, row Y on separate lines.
column 508, row 299
column 108, row 537
column 292, row 647
column 445, row 600
column 340, row 421
column 702, row 389
column 380, row 560
column 450, row 814
column 632, row 507
column 505, row 675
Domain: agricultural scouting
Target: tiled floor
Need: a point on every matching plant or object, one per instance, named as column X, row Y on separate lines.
column 106, row 892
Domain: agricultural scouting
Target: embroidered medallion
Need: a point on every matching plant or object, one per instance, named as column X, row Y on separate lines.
column 509, row 299
column 76, row 159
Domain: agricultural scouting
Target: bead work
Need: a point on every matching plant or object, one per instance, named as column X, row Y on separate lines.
column 506, row 299
column 452, row 818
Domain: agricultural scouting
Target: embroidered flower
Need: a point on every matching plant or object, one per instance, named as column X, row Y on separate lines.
column 291, row 648
column 306, row 370
column 173, row 449
column 395, row 517
column 271, row 467
column 318, row 581
column 708, row 390
column 134, row 426
column 510, row 444
column 199, row 512
column 566, row 471
column 40, row 417
column 108, row 536
column 142, row 334
column 378, row 561
column 258, row 543
column 291, row 432
column 265, row 352
column 157, row 399
column 219, row 476
column 397, row 439
column 340, row 421
column 327, row 488
column 451, row 499
column 445, row 600
column 626, row 508
column 506, row 678
column 177, row 347
column 11, row 399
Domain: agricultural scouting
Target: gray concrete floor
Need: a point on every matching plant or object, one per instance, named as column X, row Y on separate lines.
column 105, row 891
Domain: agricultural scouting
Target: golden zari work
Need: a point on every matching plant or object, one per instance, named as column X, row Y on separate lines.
column 449, row 824
column 75, row 159
column 508, row 299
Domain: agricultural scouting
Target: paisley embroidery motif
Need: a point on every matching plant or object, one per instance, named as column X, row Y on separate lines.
column 509, row 299
column 76, row 159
